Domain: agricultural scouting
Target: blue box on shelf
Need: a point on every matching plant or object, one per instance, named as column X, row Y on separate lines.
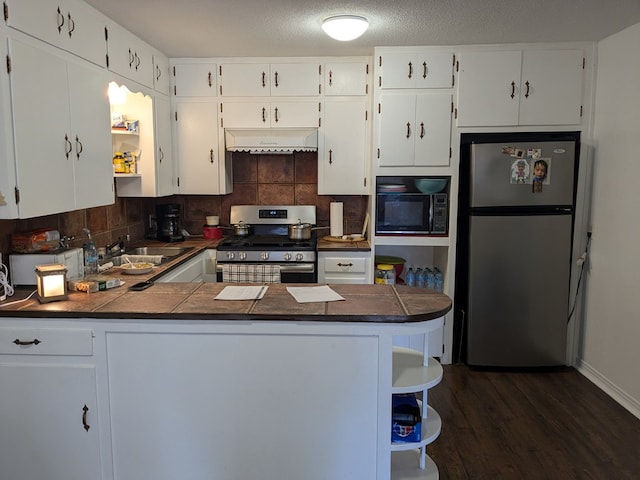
column 406, row 421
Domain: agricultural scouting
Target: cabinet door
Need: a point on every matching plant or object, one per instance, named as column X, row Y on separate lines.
column 198, row 156
column 165, row 175
column 194, row 80
column 91, row 136
column 45, row 165
column 295, row 114
column 346, row 78
column 488, row 88
column 129, row 56
column 42, row 425
column 246, row 115
column 397, row 130
column 245, row 80
column 343, row 155
column 270, row 115
column 551, row 92
column 295, row 79
column 417, row 70
column 69, row 25
column 432, row 133
column 161, row 73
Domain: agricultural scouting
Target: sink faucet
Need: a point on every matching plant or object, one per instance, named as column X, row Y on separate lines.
column 118, row 243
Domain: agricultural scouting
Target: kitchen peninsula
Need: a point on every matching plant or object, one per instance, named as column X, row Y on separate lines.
column 169, row 383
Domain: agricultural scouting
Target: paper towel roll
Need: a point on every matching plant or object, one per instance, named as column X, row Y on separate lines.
column 336, row 219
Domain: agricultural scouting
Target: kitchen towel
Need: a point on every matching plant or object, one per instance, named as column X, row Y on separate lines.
column 336, row 219
column 251, row 273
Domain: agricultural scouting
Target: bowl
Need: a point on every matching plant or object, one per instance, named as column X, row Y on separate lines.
column 213, row 220
column 430, row 185
column 137, row 268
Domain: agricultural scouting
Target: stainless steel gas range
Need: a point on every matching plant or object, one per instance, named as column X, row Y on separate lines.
column 267, row 243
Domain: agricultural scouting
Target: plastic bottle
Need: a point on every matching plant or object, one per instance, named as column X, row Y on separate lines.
column 410, row 278
column 431, row 280
column 439, row 281
column 90, row 255
column 420, row 277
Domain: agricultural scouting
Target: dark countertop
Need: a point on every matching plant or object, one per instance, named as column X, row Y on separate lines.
column 363, row 303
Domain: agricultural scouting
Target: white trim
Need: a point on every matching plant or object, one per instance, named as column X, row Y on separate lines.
column 611, row 389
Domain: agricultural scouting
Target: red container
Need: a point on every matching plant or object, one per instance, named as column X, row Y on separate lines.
column 211, row 233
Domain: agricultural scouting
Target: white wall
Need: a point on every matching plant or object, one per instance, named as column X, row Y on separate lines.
column 610, row 348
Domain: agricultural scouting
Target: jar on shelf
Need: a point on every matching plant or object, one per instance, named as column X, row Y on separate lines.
column 119, row 163
column 385, row 275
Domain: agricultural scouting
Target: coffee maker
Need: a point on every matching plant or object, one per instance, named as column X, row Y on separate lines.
column 168, row 218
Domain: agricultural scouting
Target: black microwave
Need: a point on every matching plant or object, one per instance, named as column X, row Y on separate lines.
column 412, row 213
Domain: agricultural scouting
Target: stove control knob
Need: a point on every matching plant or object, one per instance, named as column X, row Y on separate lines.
column 242, row 255
column 287, row 256
column 264, row 255
column 231, row 255
column 299, row 257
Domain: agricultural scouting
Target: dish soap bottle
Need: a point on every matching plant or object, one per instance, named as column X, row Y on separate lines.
column 90, row 255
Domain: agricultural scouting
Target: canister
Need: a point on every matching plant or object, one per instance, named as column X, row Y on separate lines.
column 385, row 275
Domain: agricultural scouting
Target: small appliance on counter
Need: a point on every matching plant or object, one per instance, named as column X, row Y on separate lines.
column 211, row 230
column 22, row 266
column 169, row 221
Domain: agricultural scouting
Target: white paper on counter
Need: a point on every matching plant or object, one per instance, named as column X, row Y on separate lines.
column 242, row 292
column 322, row 293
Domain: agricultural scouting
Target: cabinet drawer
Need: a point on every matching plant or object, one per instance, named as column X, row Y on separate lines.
column 45, row 341
column 345, row 265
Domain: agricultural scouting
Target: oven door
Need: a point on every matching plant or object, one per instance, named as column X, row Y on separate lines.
column 289, row 272
column 403, row 213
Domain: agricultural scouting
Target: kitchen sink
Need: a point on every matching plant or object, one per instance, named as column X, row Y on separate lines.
column 155, row 255
column 164, row 251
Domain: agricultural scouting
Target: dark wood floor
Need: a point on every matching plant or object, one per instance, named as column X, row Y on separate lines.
column 522, row 425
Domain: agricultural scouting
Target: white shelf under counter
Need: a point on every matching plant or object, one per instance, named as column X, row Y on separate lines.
column 410, row 374
column 405, row 466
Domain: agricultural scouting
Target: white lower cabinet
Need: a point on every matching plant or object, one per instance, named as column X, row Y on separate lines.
column 190, row 271
column 344, row 267
column 118, row 399
column 48, row 406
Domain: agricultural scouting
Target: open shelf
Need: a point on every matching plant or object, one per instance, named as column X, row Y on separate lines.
column 431, row 427
column 409, row 372
column 405, row 466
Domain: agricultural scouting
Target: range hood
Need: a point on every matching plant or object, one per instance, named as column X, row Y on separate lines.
column 271, row 140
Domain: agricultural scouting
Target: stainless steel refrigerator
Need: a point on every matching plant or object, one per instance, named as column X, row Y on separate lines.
column 517, row 195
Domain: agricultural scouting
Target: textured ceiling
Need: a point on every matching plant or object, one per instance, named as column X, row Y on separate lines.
column 218, row 28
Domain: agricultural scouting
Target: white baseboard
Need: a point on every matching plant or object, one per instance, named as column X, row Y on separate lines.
column 611, row 389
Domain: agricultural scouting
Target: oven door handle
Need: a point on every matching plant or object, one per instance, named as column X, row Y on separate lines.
column 284, row 268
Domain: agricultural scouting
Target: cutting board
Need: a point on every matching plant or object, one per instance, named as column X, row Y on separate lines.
column 350, row 239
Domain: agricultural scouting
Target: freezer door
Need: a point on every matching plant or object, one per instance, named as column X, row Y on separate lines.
column 502, row 173
column 518, row 290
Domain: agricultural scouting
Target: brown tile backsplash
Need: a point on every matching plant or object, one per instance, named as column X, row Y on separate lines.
column 258, row 179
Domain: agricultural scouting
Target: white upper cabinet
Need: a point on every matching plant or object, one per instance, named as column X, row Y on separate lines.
column 265, row 80
column 351, row 79
column 199, row 158
column 129, row 56
column 272, row 114
column 161, row 82
column 530, row 87
column 343, row 148
column 71, row 159
column 194, row 79
column 165, row 168
column 415, row 130
column 67, row 24
column 416, row 69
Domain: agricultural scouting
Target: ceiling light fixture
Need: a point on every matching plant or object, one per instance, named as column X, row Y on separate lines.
column 345, row 27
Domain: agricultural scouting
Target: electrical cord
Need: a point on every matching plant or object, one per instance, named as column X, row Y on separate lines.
column 6, row 290
column 581, row 262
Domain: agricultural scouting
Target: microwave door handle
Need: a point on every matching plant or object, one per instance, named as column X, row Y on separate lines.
column 431, row 212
